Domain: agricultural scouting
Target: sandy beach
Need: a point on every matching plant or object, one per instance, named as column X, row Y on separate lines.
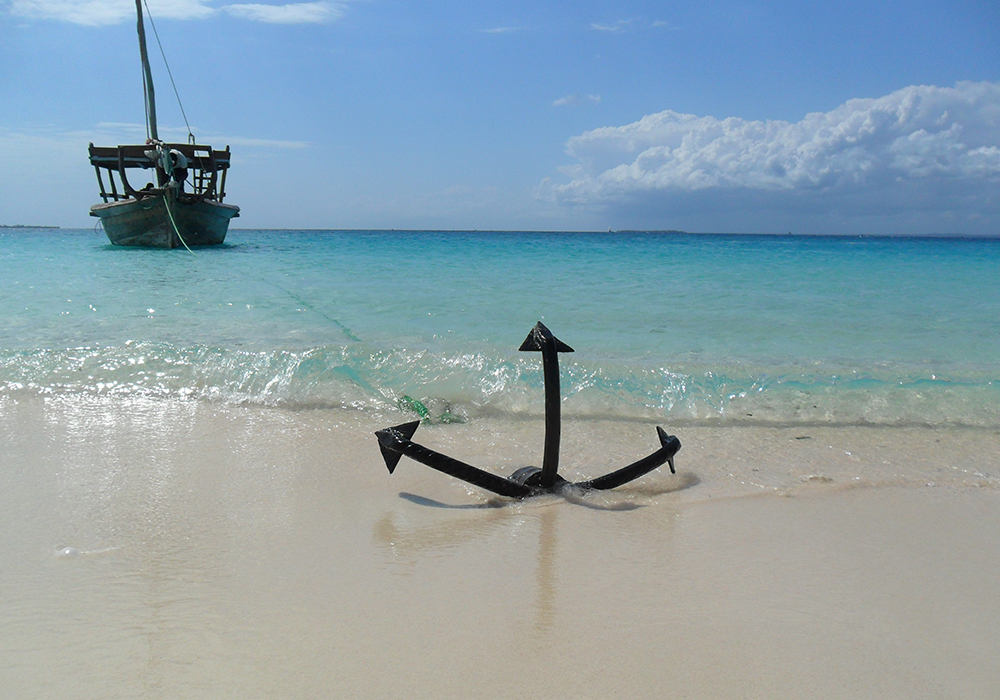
column 539, row 234
column 267, row 553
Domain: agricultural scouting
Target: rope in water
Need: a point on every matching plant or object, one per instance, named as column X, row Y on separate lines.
column 344, row 329
column 166, row 199
column 407, row 401
column 404, row 403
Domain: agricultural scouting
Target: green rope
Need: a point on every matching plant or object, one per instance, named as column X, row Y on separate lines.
column 170, row 215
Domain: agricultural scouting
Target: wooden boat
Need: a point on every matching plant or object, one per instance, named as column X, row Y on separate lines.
column 182, row 205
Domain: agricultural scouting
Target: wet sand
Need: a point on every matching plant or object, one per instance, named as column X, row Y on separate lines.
column 164, row 549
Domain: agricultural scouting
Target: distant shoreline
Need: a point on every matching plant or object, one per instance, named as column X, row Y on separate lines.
column 610, row 232
column 23, row 226
column 634, row 232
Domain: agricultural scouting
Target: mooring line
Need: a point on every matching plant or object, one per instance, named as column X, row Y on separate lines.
column 170, row 215
column 343, row 329
column 291, row 295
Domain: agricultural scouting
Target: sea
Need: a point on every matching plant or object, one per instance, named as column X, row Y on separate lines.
column 193, row 503
column 686, row 329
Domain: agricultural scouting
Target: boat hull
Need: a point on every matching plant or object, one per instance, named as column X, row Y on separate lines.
column 146, row 222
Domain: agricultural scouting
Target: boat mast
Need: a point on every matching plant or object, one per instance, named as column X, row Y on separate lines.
column 147, row 76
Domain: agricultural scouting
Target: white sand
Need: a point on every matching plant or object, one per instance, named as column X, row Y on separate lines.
column 154, row 549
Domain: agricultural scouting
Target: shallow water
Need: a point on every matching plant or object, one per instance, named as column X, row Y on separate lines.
column 193, row 504
column 687, row 328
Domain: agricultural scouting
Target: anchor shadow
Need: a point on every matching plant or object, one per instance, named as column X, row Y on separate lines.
column 493, row 503
column 569, row 494
column 587, row 498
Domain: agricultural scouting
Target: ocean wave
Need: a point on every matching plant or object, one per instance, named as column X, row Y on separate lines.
column 462, row 386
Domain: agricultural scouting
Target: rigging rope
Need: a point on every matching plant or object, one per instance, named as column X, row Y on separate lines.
column 171, row 75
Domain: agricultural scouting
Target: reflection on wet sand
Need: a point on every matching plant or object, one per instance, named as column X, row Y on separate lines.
column 484, row 519
column 179, row 549
column 417, row 541
column 545, row 602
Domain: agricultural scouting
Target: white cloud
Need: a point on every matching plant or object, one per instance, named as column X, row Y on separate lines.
column 103, row 12
column 574, row 99
column 618, row 26
column 14, row 142
column 919, row 138
column 503, row 30
column 633, row 24
column 296, row 13
column 106, row 12
column 121, row 126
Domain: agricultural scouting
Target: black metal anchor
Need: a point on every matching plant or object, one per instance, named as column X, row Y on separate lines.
column 527, row 481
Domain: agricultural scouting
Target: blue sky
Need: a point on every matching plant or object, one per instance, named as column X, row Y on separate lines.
column 811, row 117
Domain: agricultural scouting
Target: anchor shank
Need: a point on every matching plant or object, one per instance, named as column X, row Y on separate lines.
column 553, row 419
column 540, row 339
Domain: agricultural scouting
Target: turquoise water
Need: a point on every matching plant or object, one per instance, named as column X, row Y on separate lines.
column 668, row 327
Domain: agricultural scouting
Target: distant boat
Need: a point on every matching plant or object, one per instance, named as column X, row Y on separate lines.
column 162, row 213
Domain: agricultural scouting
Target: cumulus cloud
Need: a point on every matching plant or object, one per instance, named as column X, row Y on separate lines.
column 880, row 146
column 105, row 12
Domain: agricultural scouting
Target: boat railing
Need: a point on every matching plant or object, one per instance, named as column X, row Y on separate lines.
column 207, row 170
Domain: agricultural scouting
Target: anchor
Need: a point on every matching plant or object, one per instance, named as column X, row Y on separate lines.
column 396, row 441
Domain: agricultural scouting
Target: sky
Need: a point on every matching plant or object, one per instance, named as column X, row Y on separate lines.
column 849, row 117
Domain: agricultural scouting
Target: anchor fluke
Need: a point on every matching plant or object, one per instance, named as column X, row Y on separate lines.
column 666, row 441
column 390, row 442
column 669, row 446
column 395, row 442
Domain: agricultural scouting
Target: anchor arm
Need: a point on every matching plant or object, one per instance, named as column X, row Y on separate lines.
column 669, row 446
column 395, row 442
